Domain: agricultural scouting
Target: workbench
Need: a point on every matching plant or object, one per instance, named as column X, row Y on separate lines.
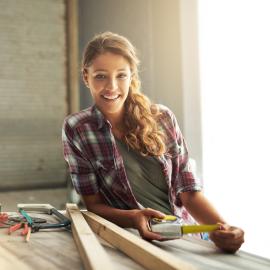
column 55, row 249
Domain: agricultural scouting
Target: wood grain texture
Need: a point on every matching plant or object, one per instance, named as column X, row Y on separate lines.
column 47, row 249
column 52, row 249
column 92, row 253
column 9, row 260
column 205, row 256
column 55, row 249
column 143, row 252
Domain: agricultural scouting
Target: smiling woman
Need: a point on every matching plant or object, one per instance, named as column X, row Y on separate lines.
column 127, row 156
column 108, row 79
column 110, row 71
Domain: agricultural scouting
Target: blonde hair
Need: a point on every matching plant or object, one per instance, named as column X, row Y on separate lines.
column 141, row 131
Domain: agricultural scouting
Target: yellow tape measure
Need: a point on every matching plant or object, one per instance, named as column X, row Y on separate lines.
column 173, row 227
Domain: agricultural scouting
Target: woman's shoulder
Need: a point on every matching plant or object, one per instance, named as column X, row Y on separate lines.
column 165, row 112
column 88, row 115
column 170, row 127
column 167, row 119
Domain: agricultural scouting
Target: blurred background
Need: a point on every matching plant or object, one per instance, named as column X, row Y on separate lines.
column 208, row 60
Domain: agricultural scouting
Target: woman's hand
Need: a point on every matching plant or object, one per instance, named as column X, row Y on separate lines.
column 141, row 219
column 228, row 238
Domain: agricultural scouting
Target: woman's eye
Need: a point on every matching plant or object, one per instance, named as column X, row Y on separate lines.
column 100, row 77
column 122, row 76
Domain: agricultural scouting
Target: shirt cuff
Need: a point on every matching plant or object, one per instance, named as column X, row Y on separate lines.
column 190, row 188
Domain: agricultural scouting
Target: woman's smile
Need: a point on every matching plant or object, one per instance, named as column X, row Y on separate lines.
column 109, row 77
column 110, row 98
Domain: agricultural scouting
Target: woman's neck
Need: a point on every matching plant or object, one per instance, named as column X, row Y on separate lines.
column 118, row 133
column 117, row 126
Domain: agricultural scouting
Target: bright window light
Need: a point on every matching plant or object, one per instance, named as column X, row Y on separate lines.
column 234, row 41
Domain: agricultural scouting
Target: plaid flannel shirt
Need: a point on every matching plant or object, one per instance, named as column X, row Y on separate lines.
column 96, row 165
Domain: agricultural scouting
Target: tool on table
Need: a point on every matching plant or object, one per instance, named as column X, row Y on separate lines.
column 3, row 219
column 7, row 221
column 172, row 227
column 27, row 226
column 17, row 219
column 15, row 223
column 48, row 209
column 24, row 222
column 18, row 226
column 30, row 224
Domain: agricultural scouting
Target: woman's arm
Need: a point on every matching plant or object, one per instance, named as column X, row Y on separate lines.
column 228, row 238
column 134, row 218
column 200, row 208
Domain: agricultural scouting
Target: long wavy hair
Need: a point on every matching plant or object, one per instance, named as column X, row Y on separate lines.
column 141, row 131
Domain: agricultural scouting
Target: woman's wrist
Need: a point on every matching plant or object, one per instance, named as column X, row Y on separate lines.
column 133, row 217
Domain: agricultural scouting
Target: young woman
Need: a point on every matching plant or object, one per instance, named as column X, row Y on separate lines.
column 127, row 156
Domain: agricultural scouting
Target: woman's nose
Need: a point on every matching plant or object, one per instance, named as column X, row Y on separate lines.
column 111, row 84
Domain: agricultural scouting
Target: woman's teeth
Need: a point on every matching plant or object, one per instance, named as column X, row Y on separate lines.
column 111, row 97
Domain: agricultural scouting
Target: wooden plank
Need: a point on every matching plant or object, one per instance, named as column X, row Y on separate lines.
column 92, row 253
column 52, row 249
column 143, row 252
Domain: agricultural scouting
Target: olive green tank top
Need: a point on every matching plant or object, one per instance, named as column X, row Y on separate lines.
column 146, row 179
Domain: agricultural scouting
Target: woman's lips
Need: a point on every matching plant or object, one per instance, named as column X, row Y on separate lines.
column 110, row 97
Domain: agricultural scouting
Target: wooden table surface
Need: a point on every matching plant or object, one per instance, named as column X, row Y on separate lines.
column 55, row 249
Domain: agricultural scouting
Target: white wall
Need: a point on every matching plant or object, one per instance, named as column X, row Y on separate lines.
column 190, row 84
column 235, row 82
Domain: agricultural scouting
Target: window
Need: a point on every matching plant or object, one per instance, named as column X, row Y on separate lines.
column 234, row 44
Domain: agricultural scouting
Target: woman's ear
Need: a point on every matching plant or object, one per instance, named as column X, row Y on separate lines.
column 85, row 77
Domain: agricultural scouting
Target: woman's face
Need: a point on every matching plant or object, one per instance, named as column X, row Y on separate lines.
column 109, row 78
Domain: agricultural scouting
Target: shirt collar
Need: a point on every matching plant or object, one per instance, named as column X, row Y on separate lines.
column 99, row 117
